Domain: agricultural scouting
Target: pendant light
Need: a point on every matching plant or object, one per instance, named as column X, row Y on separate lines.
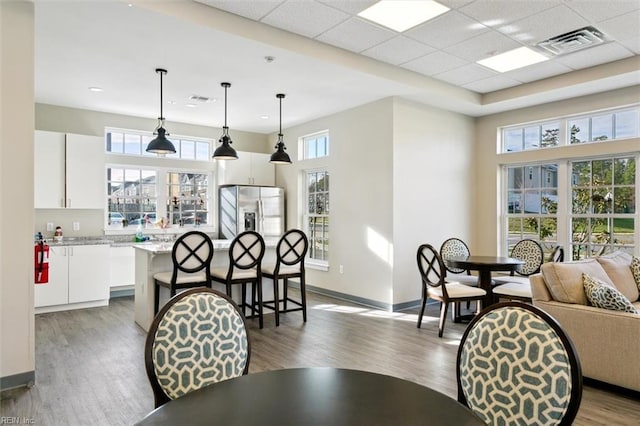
column 280, row 157
column 225, row 151
column 161, row 145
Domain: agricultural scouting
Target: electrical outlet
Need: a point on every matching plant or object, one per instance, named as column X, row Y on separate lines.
column 49, row 226
column 76, row 226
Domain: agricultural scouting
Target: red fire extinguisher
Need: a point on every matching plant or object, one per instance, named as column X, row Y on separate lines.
column 41, row 251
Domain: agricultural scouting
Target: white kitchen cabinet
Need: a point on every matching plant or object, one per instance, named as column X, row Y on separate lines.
column 251, row 168
column 49, row 173
column 123, row 266
column 78, row 278
column 69, row 171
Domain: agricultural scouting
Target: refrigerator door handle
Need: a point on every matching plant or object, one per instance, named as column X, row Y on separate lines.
column 260, row 224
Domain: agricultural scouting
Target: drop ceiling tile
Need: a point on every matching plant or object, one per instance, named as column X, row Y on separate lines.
column 398, row 50
column 607, row 52
column 356, row 34
column 249, row 9
column 352, row 7
column 509, row 11
column 491, row 84
column 538, row 71
column 544, row 25
column 465, row 74
column 446, row 30
column 485, row 45
column 308, row 18
column 622, row 27
column 434, row 63
column 633, row 44
column 598, row 10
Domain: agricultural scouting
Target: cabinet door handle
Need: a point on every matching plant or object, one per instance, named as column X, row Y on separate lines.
column 68, row 202
column 70, row 251
column 62, row 202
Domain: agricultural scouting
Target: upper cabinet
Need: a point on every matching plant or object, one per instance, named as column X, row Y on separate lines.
column 251, row 168
column 69, row 171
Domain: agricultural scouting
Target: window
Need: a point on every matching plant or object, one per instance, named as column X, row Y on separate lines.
column 131, row 194
column 315, row 146
column 135, row 143
column 187, row 198
column 603, row 206
column 601, row 126
column 317, row 214
column 606, row 126
column 531, row 137
column 532, row 204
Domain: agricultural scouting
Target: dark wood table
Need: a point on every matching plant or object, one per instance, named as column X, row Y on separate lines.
column 313, row 396
column 485, row 265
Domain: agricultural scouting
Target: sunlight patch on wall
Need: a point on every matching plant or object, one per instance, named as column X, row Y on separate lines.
column 380, row 246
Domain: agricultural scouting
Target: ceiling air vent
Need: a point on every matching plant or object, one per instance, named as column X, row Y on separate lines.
column 201, row 99
column 573, row 41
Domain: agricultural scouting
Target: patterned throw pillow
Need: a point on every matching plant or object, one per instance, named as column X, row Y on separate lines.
column 635, row 270
column 602, row 295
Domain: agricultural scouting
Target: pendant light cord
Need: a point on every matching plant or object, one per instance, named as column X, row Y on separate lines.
column 280, row 132
column 161, row 115
column 225, row 105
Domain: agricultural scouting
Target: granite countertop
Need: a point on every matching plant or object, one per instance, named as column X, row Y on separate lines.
column 157, row 247
column 79, row 241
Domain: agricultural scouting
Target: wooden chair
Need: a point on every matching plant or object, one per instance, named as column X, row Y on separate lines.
column 290, row 254
column 516, row 365
column 455, row 247
column 434, row 286
column 191, row 255
column 518, row 287
column 199, row 337
column 245, row 267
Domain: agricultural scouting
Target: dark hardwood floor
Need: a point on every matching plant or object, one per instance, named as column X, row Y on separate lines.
column 90, row 364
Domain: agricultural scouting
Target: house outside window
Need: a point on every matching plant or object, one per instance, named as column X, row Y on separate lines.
column 532, row 204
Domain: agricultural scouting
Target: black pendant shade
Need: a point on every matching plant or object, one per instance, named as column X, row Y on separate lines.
column 280, row 157
column 161, row 145
column 225, row 151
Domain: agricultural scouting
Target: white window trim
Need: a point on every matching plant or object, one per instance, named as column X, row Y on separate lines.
column 318, row 264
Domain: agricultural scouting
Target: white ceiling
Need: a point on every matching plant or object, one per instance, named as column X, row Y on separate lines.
column 326, row 59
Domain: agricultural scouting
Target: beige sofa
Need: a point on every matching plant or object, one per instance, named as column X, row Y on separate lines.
column 608, row 342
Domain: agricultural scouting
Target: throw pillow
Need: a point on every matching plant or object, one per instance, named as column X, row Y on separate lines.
column 635, row 270
column 603, row 295
column 564, row 279
column 616, row 265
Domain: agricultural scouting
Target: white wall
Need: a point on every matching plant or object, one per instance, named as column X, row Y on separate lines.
column 433, row 184
column 360, row 166
column 17, row 353
column 486, row 218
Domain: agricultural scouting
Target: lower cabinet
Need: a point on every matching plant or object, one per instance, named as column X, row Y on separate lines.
column 123, row 266
column 77, row 275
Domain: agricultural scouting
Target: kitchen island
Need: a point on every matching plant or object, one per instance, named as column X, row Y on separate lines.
column 154, row 257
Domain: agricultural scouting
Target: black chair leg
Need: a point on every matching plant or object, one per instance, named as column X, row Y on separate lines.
column 303, row 297
column 156, row 299
column 276, row 300
column 424, row 303
column 443, row 317
column 259, row 288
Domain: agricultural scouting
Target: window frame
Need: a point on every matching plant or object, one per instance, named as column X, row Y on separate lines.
column 323, row 263
column 304, row 142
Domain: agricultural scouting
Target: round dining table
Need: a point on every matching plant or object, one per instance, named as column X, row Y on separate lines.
column 313, row 396
column 485, row 265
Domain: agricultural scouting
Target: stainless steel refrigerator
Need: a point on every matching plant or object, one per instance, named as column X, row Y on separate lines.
column 246, row 207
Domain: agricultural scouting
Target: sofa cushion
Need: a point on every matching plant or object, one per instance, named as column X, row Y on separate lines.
column 635, row 270
column 605, row 296
column 564, row 279
column 616, row 265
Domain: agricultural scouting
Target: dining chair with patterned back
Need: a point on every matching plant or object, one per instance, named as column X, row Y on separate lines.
column 455, row 247
column 199, row 337
column 434, row 285
column 191, row 256
column 518, row 287
column 245, row 267
column 516, row 365
column 290, row 254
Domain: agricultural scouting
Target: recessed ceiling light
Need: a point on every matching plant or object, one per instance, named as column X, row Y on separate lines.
column 95, row 89
column 513, row 59
column 400, row 15
column 171, row 102
column 264, row 117
column 190, row 105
